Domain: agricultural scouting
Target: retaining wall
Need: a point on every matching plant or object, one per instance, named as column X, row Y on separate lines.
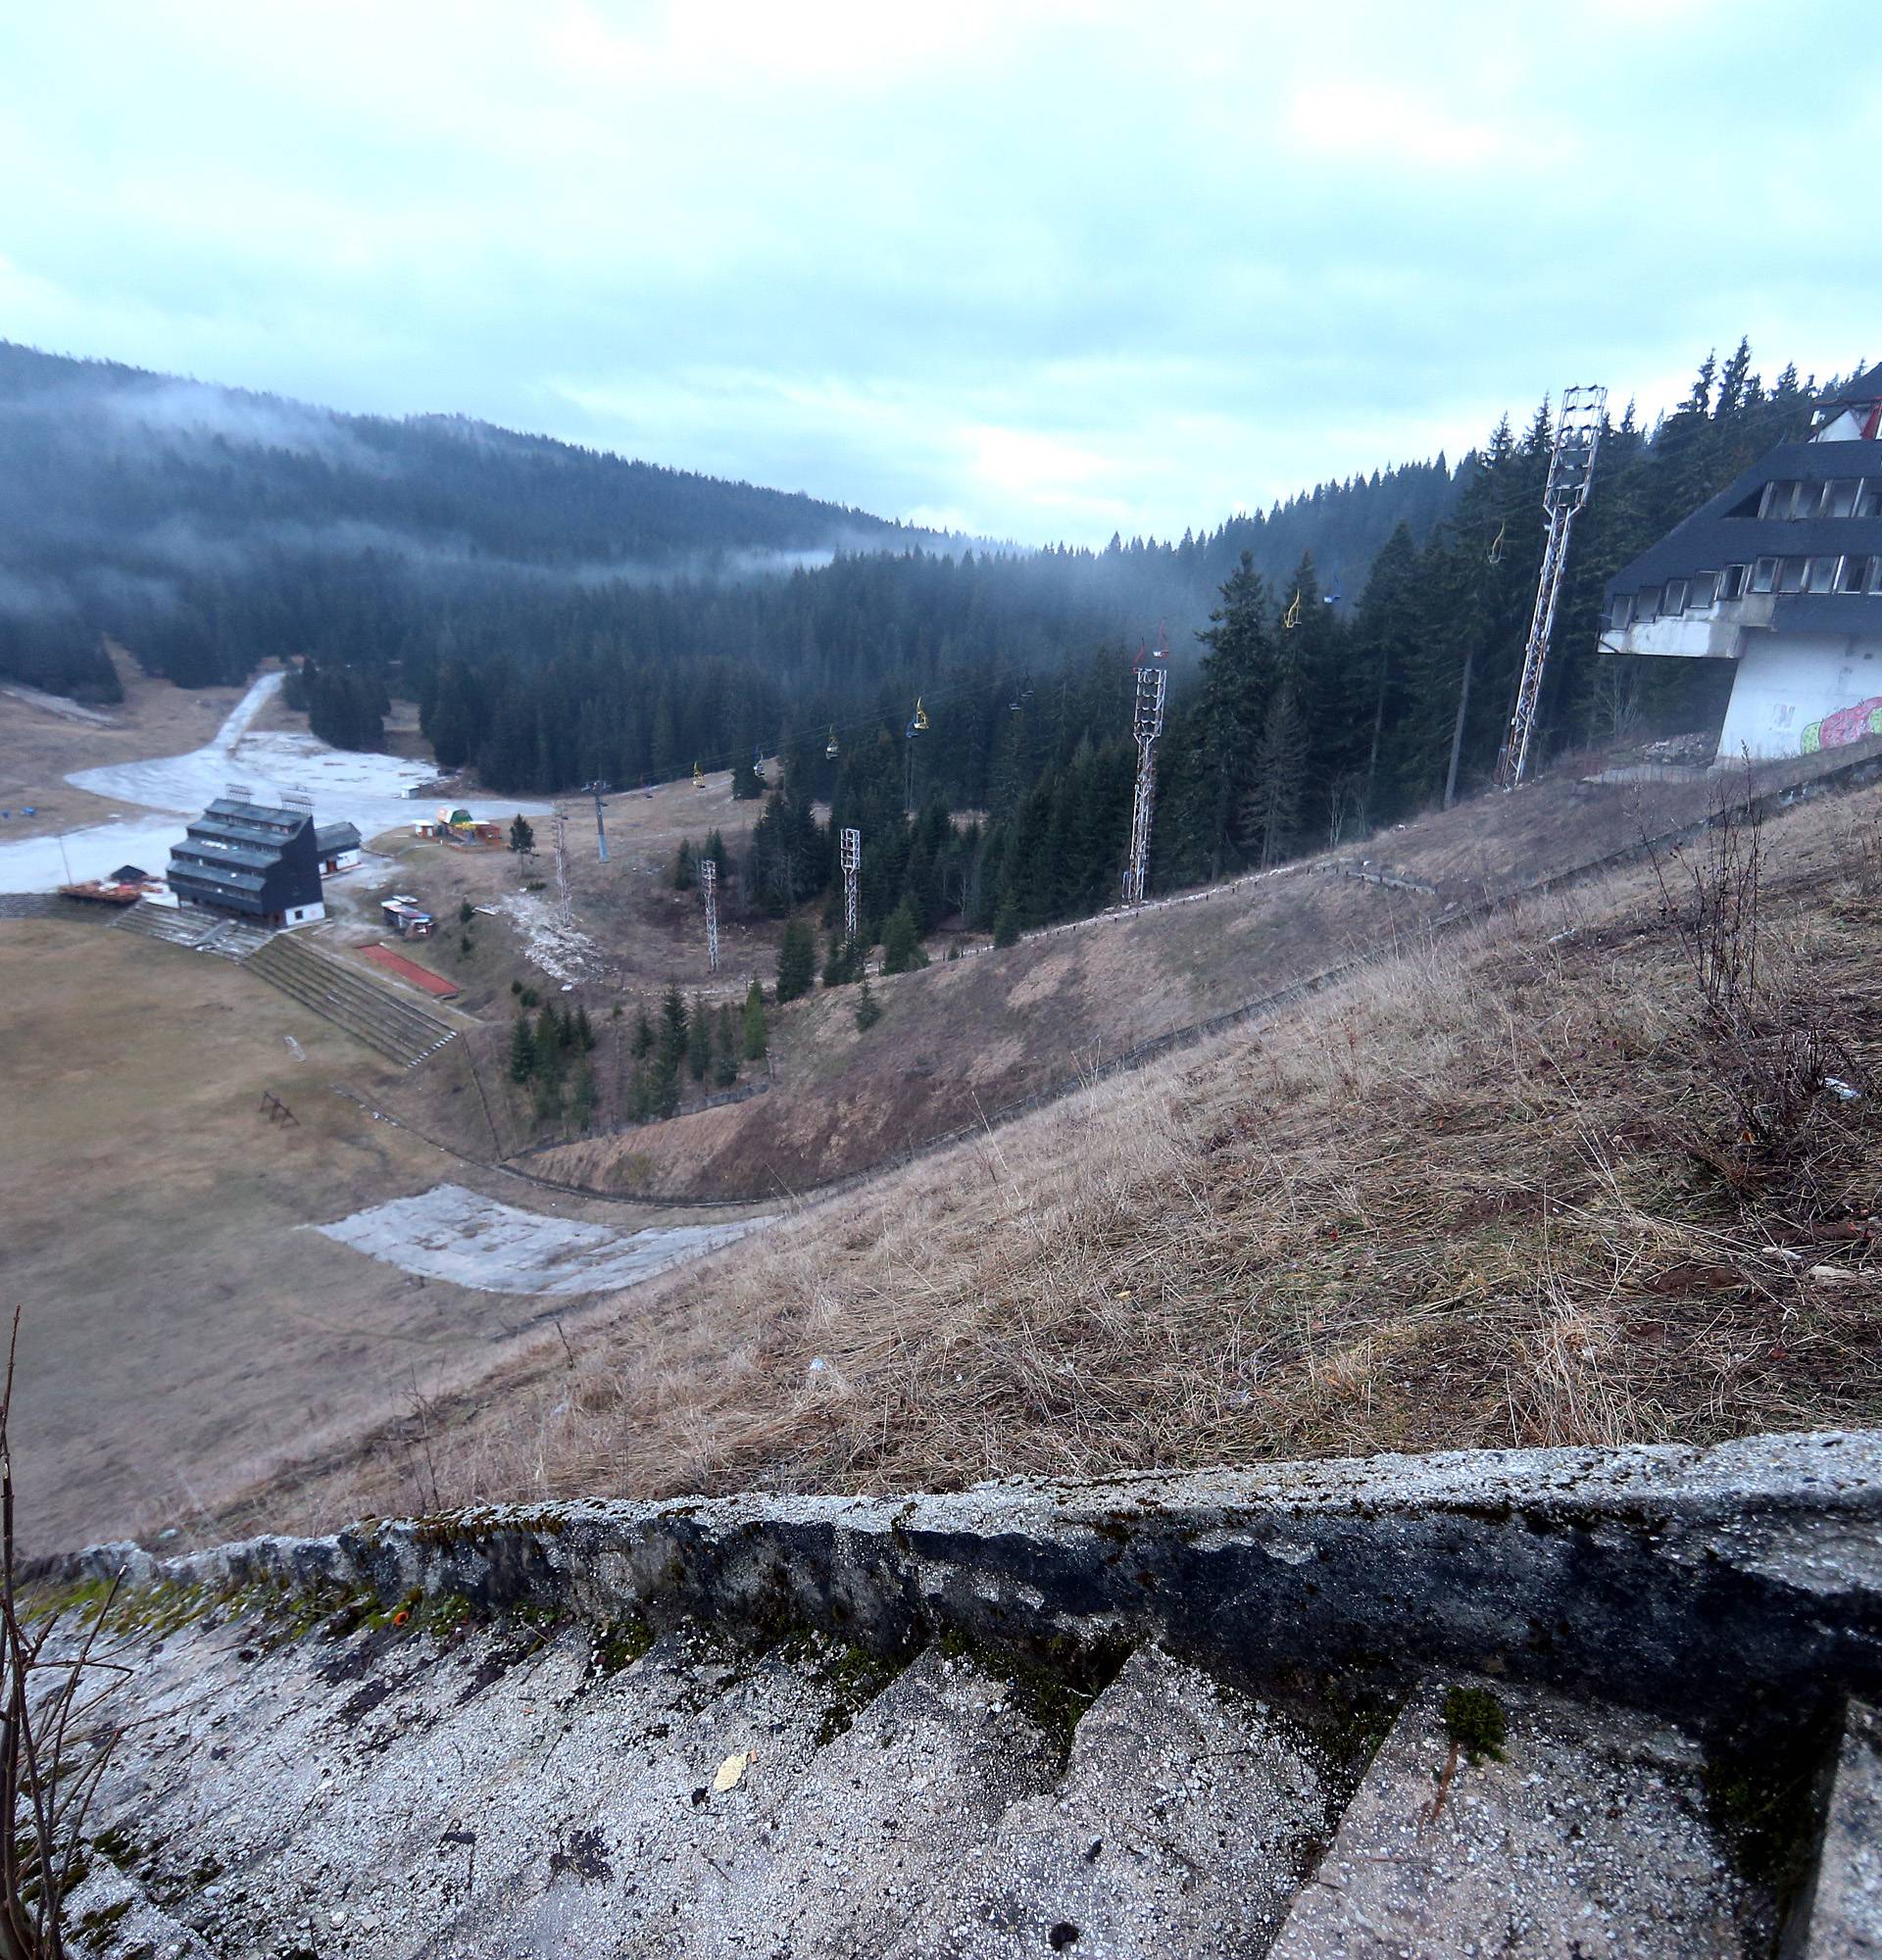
column 1740, row 1585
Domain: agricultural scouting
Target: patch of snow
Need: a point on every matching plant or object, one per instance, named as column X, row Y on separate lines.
column 448, row 1232
column 560, row 950
column 368, row 791
column 57, row 704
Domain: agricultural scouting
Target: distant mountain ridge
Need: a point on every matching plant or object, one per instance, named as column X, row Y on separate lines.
column 97, row 450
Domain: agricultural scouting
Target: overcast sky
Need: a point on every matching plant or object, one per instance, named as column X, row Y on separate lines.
column 1031, row 269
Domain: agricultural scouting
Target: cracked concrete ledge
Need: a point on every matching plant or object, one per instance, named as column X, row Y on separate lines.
column 1736, row 1585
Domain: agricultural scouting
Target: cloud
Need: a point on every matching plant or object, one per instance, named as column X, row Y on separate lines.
column 1051, row 268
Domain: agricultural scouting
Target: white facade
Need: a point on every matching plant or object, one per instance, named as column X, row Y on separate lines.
column 1795, row 694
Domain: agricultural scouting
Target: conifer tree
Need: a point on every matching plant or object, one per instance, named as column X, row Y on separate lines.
column 796, row 962
column 669, row 1053
column 699, row 1041
column 901, row 942
column 868, row 1010
column 753, row 1032
column 724, row 1047
column 643, row 1043
column 522, row 840
column 1006, row 927
column 523, row 1050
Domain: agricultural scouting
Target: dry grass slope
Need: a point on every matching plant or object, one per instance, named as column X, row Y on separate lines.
column 1501, row 1192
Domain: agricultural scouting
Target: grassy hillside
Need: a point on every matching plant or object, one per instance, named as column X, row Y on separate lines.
column 1571, row 1175
column 961, row 1041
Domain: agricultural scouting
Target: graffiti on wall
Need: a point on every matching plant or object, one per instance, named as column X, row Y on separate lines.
column 1845, row 726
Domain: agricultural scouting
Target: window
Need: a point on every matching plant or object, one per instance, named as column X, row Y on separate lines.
column 1620, row 613
column 1673, row 603
column 1646, row 602
column 1869, row 503
column 1875, row 576
column 1854, row 573
column 1734, row 582
column 1839, row 497
column 1789, row 573
column 1820, row 575
column 1765, row 576
column 1778, row 499
column 1705, row 590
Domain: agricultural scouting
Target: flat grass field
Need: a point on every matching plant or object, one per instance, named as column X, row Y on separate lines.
column 178, row 1330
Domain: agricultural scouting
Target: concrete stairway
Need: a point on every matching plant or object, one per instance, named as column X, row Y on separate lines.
column 1566, row 1705
column 176, row 925
column 473, row 1790
column 236, row 939
column 397, row 1027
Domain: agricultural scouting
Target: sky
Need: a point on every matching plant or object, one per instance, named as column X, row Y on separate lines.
column 1031, row 271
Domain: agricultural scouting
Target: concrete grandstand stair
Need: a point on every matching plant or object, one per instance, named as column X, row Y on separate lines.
column 397, row 1027
column 799, row 1726
column 186, row 926
column 1186, row 1820
column 1589, row 1840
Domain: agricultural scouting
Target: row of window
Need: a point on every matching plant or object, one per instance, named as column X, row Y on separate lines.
column 1852, row 573
column 1841, row 497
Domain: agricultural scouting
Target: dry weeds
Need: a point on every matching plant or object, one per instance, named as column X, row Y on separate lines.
column 1489, row 1194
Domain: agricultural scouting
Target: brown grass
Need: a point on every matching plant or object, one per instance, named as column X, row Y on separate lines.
column 1489, row 1193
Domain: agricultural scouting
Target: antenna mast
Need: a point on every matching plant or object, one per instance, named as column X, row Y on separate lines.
column 849, row 854
column 1571, row 470
column 708, row 891
column 1153, row 682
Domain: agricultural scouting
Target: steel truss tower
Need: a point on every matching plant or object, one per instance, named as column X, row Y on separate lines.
column 1153, row 682
column 1571, row 470
column 849, row 854
column 708, row 891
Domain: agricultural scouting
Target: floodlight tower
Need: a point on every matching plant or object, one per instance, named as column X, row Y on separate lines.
column 598, row 790
column 1571, row 470
column 708, row 891
column 1153, row 683
column 849, row 854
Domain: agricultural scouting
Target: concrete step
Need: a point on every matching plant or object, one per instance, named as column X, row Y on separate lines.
column 176, row 925
column 1186, row 1821
column 1840, row 1917
column 236, row 939
column 1588, row 1840
column 395, row 1026
column 867, row 1854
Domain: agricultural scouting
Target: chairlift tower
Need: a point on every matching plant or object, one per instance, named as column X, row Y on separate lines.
column 1571, row 470
column 849, row 854
column 1153, row 683
column 708, row 891
column 598, row 790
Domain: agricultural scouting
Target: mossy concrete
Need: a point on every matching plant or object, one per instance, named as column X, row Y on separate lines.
column 1738, row 1586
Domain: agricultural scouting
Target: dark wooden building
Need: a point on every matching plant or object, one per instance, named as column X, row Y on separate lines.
column 257, row 860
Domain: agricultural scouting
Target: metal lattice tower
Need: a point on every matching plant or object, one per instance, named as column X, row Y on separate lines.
column 849, row 854
column 598, row 790
column 708, row 891
column 1153, row 682
column 1571, row 470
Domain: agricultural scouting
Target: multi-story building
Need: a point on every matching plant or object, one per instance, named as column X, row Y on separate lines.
column 1781, row 572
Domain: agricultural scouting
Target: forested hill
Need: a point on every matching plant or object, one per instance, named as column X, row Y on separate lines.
column 209, row 529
